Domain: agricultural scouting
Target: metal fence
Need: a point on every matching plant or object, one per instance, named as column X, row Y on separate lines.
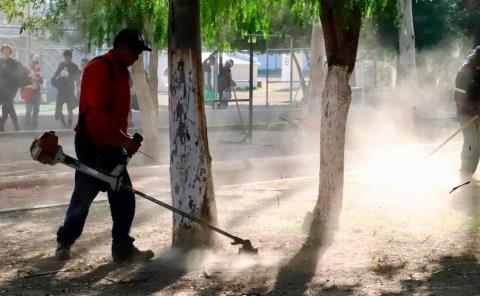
column 293, row 79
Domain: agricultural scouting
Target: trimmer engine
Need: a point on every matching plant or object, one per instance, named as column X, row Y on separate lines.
column 46, row 149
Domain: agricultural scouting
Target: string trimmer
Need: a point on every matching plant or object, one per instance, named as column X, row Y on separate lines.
column 47, row 151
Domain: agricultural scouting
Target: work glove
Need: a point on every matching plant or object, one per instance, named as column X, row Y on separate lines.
column 132, row 144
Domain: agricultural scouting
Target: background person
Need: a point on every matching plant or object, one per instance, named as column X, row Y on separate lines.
column 64, row 79
column 101, row 142
column 12, row 76
column 207, row 72
column 32, row 94
column 467, row 98
column 225, row 84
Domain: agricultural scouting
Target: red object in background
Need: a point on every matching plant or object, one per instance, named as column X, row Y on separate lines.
column 26, row 93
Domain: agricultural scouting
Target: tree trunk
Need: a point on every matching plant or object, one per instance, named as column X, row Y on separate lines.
column 153, row 76
column 190, row 161
column 407, row 69
column 335, row 105
column 341, row 31
column 147, row 110
column 317, row 69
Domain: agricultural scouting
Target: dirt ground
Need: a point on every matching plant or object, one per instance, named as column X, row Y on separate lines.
column 401, row 233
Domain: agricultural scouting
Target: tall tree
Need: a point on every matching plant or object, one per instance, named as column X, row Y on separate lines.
column 190, row 161
column 341, row 23
column 341, row 28
column 407, row 66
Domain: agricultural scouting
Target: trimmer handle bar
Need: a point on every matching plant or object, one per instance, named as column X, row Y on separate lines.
column 47, row 151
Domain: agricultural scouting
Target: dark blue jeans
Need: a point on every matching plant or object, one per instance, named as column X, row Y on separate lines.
column 8, row 109
column 33, row 108
column 122, row 203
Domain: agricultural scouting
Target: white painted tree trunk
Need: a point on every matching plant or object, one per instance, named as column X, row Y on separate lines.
column 407, row 66
column 190, row 162
column 317, row 66
column 334, row 109
column 148, row 116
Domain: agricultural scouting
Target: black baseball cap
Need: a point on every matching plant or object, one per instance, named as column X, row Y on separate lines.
column 133, row 38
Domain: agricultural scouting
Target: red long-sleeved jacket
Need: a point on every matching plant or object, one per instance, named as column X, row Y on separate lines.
column 105, row 101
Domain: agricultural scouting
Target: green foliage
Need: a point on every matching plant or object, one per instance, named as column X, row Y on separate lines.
column 283, row 24
column 33, row 13
column 386, row 24
column 305, row 11
column 469, row 19
column 226, row 21
column 223, row 19
column 99, row 20
column 102, row 19
column 434, row 21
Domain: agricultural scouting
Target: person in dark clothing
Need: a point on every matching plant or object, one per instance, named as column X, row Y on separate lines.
column 225, row 84
column 101, row 142
column 12, row 76
column 467, row 98
column 64, row 79
column 207, row 72
column 83, row 64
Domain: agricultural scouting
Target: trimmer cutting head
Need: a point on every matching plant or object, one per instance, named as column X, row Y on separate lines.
column 247, row 247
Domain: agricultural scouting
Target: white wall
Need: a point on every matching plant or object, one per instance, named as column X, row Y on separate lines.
column 302, row 60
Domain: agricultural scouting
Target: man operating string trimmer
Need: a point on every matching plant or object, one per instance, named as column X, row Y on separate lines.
column 467, row 98
column 103, row 150
column 101, row 142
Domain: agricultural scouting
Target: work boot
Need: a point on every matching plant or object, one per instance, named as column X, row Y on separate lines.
column 130, row 254
column 63, row 252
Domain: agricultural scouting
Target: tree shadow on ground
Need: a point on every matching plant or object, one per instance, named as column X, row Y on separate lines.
column 149, row 277
column 42, row 273
column 107, row 279
column 270, row 202
column 49, row 275
column 454, row 275
column 295, row 277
